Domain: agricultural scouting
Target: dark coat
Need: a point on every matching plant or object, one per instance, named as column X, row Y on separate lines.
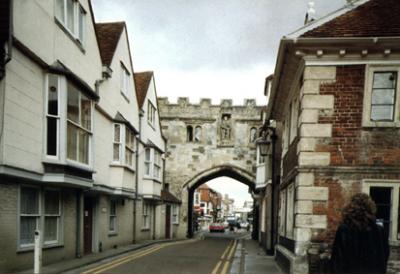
column 360, row 251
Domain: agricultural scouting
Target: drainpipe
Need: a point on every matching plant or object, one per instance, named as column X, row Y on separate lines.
column 139, row 137
column 273, row 182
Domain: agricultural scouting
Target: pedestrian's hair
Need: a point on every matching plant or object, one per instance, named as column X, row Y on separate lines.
column 360, row 212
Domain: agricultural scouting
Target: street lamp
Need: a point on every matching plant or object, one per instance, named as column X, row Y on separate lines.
column 267, row 137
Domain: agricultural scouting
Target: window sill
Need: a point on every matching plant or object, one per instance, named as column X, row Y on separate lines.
column 112, row 234
column 70, row 35
column 123, row 166
column 155, row 180
column 176, row 224
column 145, row 229
column 125, row 96
column 31, row 248
column 369, row 124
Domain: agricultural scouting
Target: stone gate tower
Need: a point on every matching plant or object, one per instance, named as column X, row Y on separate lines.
column 207, row 141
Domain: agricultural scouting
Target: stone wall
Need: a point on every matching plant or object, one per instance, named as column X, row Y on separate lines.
column 224, row 140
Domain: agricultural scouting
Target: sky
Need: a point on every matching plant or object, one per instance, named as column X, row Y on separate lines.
column 209, row 48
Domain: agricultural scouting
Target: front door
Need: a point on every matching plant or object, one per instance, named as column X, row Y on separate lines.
column 87, row 225
column 168, row 222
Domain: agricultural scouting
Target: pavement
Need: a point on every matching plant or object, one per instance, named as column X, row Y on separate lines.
column 66, row 265
column 250, row 258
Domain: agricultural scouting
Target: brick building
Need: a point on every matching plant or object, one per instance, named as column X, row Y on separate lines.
column 334, row 99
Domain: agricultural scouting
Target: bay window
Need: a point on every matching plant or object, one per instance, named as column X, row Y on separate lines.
column 32, row 200
column 123, row 145
column 153, row 164
column 68, row 111
column 72, row 16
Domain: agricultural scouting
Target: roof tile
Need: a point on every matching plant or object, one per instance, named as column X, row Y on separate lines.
column 108, row 35
column 142, row 82
column 375, row 18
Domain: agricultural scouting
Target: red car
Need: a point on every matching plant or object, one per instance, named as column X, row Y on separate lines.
column 216, row 227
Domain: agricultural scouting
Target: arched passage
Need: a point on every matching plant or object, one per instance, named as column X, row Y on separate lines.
column 233, row 172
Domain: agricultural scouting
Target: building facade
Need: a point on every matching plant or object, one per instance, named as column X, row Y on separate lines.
column 334, row 99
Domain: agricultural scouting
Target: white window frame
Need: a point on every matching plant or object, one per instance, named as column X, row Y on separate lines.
column 125, row 82
column 78, row 11
column 369, row 76
column 282, row 212
column 175, row 214
column 89, row 131
column 118, row 142
column 394, row 234
column 290, row 194
column 148, row 162
column 130, row 149
column 113, row 217
column 151, row 114
column 40, row 218
column 146, row 215
column 58, row 116
column 157, row 164
column 58, row 216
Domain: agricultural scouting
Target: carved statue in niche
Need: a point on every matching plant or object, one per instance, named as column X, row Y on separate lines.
column 226, row 127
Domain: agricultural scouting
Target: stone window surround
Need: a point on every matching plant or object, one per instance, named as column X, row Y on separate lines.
column 369, row 72
column 394, row 237
column 41, row 215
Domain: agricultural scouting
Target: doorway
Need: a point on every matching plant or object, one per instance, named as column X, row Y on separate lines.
column 88, row 225
column 168, row 222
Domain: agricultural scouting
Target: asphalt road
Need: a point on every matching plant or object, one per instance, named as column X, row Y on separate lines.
column 211, row 254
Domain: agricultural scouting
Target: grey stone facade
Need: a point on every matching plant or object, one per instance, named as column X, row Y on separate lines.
column 220, row 140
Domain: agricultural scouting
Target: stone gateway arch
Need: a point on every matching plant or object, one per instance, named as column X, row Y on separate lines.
column 204, row 142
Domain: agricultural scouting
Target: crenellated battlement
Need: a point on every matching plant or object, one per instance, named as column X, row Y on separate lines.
column 206, row 102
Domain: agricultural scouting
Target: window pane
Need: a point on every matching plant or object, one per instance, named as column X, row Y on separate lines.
column 81, row 26
column 147, row 168
column 52, row 103
column 116, row 152
column 147, row 154
column 70, row 15
column 50, row 229
column 117, row 133
column 52, row 202
column 72, row 142
column 73, row 104
column 29, row 201
column 128, row 157
column 60, row 10
column 112, row 208
column 112, row 223
column 27, row 230
column 385, row 79
column 83, row 147
column 52, row 125
column 86, row 107
column 383, row 96
column 382, row 113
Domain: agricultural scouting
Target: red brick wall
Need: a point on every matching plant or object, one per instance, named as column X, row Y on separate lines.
column 350, row 143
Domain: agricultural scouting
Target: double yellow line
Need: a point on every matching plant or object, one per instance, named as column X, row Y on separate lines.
column 120, row 261
column 226, row 256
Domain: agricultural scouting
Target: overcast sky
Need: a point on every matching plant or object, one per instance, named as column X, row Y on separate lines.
column 209, row 48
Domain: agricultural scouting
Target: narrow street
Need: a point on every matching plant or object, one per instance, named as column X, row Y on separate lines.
column 212, row 253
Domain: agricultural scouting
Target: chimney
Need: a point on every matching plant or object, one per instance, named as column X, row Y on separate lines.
column 310, row 15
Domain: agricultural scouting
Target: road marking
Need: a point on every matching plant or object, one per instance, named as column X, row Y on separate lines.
column 216, row 267
column 226, row 256
column 226, row 250
column 117, row 262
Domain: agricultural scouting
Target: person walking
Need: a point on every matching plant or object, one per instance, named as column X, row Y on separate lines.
column 360, row 245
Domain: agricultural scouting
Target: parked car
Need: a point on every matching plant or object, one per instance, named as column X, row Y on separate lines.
column 217, row 227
